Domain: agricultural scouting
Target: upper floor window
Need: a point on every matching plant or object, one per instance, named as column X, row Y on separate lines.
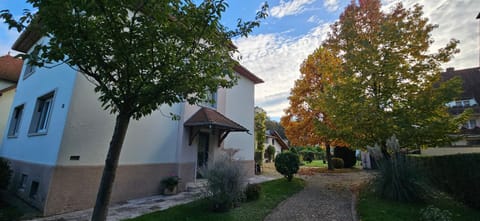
column 15, row 121
column 29, row 70
column 212, row 99
column 41, row 114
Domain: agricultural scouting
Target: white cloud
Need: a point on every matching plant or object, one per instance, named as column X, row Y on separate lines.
column 292, row 7
column 276, row 59
column 456, row 19
column 314, row 19
column 331, row 5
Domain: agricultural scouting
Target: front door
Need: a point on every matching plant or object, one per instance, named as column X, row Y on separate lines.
column 202, row 153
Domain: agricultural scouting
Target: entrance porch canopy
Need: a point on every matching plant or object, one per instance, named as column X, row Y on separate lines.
column 211, row 119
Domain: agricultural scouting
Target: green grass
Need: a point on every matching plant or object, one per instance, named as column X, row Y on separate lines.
column 273, row 192
column 372, row 208
column 315, row 163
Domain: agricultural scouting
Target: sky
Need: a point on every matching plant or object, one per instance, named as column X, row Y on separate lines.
column 295, row 28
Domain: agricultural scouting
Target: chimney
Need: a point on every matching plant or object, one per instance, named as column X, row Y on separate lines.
column 450, row 69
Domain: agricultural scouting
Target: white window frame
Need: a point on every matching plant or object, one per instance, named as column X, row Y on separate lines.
column 16, row 120
column 29, row 70
column 42, row 114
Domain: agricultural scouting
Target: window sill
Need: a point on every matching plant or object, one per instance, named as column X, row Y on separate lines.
column 37, row 134
column 12, row 136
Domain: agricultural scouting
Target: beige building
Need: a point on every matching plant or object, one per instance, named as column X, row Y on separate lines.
column 10, row 69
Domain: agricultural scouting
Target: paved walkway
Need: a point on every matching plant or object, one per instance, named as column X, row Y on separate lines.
column 138, row 207
column 327, row 196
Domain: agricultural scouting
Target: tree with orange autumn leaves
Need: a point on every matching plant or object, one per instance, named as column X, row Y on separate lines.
column 379, row 79
column 299, row 122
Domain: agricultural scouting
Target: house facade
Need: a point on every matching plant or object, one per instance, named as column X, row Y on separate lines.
column 10, row 69
column 58, row 151
column 469, row 99
column 272, row 138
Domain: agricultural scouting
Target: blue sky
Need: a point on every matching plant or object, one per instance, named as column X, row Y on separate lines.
column 295, row 28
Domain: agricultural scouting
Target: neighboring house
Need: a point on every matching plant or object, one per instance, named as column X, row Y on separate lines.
column 470, row 98
column 273, row 138
column 10, row 69
column 58, row 150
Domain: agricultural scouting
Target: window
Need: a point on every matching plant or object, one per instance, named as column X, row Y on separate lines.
column 15, row 122
column 23, row 182
column 273, row 141
column 211, row 100
column 472, row 124
column 33, row 189
column 29, row 70
column 458, row 103
column 466, row 103
column 41, row 114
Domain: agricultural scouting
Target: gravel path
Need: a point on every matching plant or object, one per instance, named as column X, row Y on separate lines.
column 327, row 196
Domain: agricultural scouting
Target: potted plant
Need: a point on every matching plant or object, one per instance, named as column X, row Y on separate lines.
column 170, row 185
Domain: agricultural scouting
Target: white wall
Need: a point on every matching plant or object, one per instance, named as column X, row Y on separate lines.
column 5, row 84
column 239, row 107
column 41, row 149
column 152, row 139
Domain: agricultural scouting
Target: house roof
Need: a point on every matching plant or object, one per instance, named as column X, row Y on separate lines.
column 471, row 81
column 10, row 68
column 275, row 135
column 207, row 117
column 28, row 38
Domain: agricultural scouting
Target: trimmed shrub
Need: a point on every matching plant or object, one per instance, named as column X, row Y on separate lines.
column 337, row 163
column 225, row 179
column 432, row 213
column 347, row 154
column 5, row 173
column 253, row 191
column 287, row 164
column 455, row 174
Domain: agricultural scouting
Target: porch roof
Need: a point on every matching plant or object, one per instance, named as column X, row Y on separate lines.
column 210, row 118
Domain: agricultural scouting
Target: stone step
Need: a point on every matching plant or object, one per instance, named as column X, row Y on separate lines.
column 199, row 185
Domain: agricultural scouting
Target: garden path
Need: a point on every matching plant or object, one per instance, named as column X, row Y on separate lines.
column 327, row 196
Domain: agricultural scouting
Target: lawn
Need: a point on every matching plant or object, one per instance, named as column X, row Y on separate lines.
column 315, row 163
column 372, row 208
column 273, row 192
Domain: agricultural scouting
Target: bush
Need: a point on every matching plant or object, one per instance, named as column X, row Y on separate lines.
column 270, row 151
column 398, row 181
column 455, row 174
column 337, row 163
column 347, row 154
column 253, row 192
column 308, row 156
column 258, row 157
column 5, row 173
column 287, row 164
column 225, row 179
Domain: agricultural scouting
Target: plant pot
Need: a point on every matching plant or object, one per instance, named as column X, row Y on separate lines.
column 167, row 191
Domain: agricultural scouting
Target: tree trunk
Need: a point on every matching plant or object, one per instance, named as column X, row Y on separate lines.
column 100, row 210
column 329, row 157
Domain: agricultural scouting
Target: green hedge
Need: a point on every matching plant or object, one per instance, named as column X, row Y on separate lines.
column 457, row 174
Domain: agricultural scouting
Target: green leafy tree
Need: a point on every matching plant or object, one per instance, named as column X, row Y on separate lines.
column 389, row 81
column 136, row 53
column 260, row 130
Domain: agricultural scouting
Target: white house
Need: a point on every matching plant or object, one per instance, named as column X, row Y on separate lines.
column 274, row 139
column 10, row 69
column 58, row 150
